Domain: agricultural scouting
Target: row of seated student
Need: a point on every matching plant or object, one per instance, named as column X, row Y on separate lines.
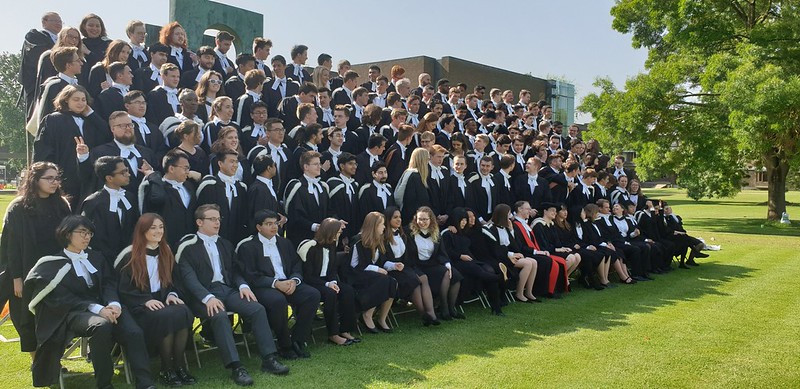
column 146, row 295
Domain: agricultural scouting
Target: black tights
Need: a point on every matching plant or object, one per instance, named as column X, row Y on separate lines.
column 449, row 295
column 172, row 349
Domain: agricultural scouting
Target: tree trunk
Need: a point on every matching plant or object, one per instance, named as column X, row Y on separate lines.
column 777, row 170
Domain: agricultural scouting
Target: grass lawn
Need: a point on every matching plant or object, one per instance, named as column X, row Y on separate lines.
column 732, row 322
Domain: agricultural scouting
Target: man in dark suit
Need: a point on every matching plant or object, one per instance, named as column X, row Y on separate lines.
column 296, row 70
column 324, row 109
column 342, row 118
column 263, row 192
column 137, row 33
column 36, row 43
column 111, row 99
column 270, row 265
column 148, row 77
column 163, row 99
column 376, row 195
column 139, row 159
column 276, row 149
column 172, row 196
column 254, row 82
column 288, row 108
column 399, row 154
column 235, row 85
column 278, row 87
column 306, row 200
column 390, row 131
column 68, row 64
column 376, row 145
column 484, row 189
column 344, row 194
column 532, row 188
column 147, row 134
column 344, row 94
column 261, row 49
column 206, row 61
column 206, row 263
column 222, row 63
column 360, row 101
column 458, row 192
column 437, row 183
column 229, row 193
column 373, row 73
column 113, row 210
column 423, row 79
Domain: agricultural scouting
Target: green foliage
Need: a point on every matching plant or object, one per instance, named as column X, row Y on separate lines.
column 12, row 117
column 722, row 89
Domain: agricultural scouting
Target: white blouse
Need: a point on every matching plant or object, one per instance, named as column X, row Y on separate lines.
column 424, row 247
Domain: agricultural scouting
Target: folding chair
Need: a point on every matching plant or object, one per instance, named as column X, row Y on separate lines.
column 82, row 346
column 237, row 325
column 3, row 339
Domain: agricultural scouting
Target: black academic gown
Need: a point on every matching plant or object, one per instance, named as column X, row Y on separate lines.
column 303, row 209
column 260, row 197
column 212, row 190
column 112, row 233
column 344, row 205
column 156, row 195
column 369, row 201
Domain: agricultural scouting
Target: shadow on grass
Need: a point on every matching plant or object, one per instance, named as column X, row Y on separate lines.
column 746, row 226
column 405, row 356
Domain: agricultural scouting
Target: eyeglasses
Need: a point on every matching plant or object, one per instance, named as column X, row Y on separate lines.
column 123, row 172
column 215, row 82
column 84, row 233
column 277, row 130
column 213, row 219
column 124, row 125
column 52, row 179
column 185, row 168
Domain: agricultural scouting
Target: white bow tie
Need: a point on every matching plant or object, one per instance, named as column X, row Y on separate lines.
column 115, row 197
column 279, row 82
column 209, row 240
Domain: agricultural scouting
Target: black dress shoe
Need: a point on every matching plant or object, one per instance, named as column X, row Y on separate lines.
column 458, row 315
column 300, row 350
column 185, row 377
column 385, row 329
column 240, row 376
column 700, row 255
column 428, row 320
column 355, row 340
column 288, row 353
column 372, row 330
column 169, row 378
column 347, row 342
column 271, row 365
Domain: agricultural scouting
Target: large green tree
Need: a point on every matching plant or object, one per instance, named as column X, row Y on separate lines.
column 722, row 89
column 12, row 117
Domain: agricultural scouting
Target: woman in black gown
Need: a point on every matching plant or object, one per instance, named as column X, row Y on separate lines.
column 411, row 285
column 426, row 254
column 95, row 43
column 321, row 270
column 594, row 266
column 456, row 242
column 147, row 288
column 372, row 283
column 29, row 233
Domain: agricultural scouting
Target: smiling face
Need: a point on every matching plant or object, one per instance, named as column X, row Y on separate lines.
column 155, row 233
column 423, row 220
column 209, row 224
column 178, row 37
column 268, row 228
column 77, row 102
column 93, row 28
column 396, row 221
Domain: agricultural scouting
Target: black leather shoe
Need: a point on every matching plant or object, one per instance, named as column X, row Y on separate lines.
column 240, row 377
column 347, row 342
column 387, row 330
column 300, row 350
column 288, row 353
column 700, row 255
column 169, row 378
column 185, row 377
column 271, row 365
column 355, row 340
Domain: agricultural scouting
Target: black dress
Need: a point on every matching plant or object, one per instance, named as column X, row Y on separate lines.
column 372, row 288
column 29, row 234
column 97, row 51
column 198, row 161
column 435, row 266
column 408, row 278
column 320, row 266
column 155, row 324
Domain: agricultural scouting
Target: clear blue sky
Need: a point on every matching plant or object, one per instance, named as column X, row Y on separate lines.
column 565, row 38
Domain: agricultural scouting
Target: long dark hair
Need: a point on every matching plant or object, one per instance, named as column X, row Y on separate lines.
column 328, row 231
column 29, row 190
column 138, row 262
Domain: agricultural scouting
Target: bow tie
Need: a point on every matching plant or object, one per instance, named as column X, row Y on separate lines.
column 424, row 235
column 314, row 182
column 115, row 196
column 126, row 151
column 462, row 183
column 486, row 182
column 279, row 82
column 397, row 233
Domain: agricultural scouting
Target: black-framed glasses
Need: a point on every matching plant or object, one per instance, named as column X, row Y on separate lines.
column 52, row 179
column 84, row 233
column 213, row 219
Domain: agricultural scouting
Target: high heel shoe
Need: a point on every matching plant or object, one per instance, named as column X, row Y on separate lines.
column 428, row 320
column 387, row 330
column 347, row 342
column 371, row 330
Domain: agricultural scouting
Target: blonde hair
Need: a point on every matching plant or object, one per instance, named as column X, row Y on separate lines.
column 433, row 230
column 316, row 76
column 217, row 105
column 370, row 238
column 419, row 160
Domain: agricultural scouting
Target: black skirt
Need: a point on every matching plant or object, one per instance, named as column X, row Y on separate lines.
column 373, row 288
column 158, row 324
column 436, row 273
column 407, row 281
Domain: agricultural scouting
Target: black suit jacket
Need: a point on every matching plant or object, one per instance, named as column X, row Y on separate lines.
column 368, row 200
column 195, row 266
column 287, row 111
column 111, row 149
column 241, row 107
column 213, row 191
column 142, row 79
column 258, row 270
column 481, row 203
column 541, row 193
column 259, row 197
column 157, row 196
column 273, row 97
column 184, row 65
column 234, row 87
column 340, row 96
column 158, row 108
column 290, row 74
column 111, row 234
column 303, row 210
column 108, row 101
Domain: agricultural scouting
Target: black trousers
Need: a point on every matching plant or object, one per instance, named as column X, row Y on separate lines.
column 339, row 308
column 251, row 311
column 102, row 336
column 304, row 302
column 484, row 275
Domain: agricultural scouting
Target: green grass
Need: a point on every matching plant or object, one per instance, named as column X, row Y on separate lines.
column 732, row 322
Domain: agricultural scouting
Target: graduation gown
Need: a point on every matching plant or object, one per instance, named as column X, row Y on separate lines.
column 369, row 201
column 273, row 97
column 112, row 233
column 344, row 205
column 157, row 195
column 212, row 190
column 303, row 209
column 260, row 197
column 411, row 194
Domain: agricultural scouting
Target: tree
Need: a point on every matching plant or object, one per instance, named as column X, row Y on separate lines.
column 722, row 88
column 12, row 117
